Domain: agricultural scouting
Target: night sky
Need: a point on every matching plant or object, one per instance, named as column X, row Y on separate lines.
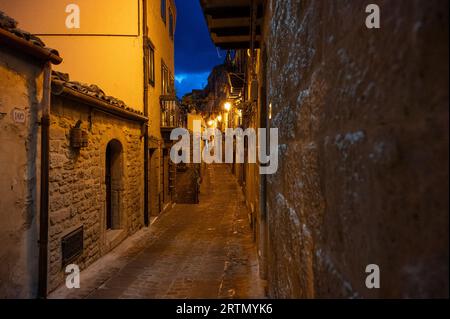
column 195, row 54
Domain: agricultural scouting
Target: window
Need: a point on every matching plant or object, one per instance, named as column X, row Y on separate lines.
column 151, row 64
column 164, row 79
column 163, row 10
column 171, row 25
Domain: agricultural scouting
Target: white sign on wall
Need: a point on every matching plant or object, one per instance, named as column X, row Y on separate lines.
column 18, row 116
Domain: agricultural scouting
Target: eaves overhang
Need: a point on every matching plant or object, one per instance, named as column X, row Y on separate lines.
column 230, row 22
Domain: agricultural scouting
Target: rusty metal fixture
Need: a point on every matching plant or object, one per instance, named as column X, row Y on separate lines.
column 78, row 137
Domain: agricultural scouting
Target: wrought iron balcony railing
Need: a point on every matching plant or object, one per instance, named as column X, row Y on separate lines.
column 170, row 111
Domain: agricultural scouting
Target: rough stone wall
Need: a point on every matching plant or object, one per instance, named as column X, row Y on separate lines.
column 77, row 182
column 20, row 90
column 363, row 122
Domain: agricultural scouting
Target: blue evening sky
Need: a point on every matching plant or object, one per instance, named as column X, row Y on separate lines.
column 195, row 54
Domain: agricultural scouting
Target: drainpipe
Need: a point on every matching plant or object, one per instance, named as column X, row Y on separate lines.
column 44, row 196
column 145, row 33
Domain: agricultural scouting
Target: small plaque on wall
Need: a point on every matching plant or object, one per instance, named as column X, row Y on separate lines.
column 18, row 116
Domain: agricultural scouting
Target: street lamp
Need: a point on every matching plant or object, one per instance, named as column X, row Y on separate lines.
column 227, row 106
column 219, row 118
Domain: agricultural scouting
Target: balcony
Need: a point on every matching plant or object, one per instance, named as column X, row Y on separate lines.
column 172, row 115
column 237, row 84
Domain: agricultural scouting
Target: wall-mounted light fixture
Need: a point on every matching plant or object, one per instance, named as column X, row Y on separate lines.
column 78, row 137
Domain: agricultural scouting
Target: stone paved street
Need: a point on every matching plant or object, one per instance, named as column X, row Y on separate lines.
column 192, row 251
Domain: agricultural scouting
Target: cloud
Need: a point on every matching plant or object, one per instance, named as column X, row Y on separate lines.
column 186, row 82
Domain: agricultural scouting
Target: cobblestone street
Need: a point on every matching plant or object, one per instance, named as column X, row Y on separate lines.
column 193, row 251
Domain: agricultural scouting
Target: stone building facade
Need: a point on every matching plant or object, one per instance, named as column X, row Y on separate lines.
column 97, row 188
column 133, row 59
column 362, row 116
column 129, row 52
column 358, row 135
column 24, row 60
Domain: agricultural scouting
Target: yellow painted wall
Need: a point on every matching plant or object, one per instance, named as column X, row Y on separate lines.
column 106, row 17
column 158, row 33
column 113, row 63
column 111, row 59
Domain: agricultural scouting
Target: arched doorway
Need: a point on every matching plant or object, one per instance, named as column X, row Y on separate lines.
column 113, row 181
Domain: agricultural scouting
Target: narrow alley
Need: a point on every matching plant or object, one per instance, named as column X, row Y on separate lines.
column 192, row 251
column 224, row 149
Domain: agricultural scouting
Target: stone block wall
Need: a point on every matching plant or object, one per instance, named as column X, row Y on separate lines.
column 363, row 132
column 77, row 183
